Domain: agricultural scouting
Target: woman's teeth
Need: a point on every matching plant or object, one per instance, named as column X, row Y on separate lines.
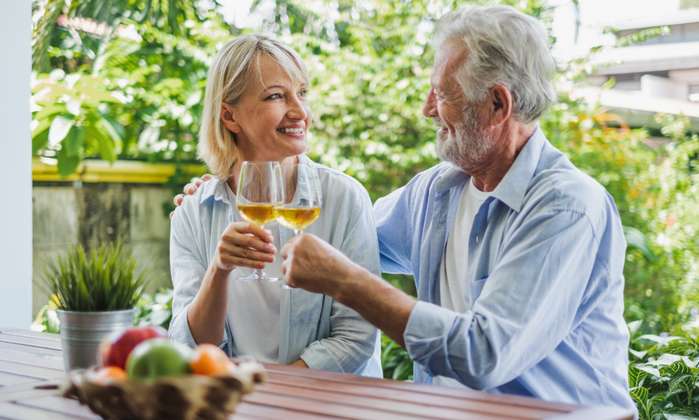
column 291, row 130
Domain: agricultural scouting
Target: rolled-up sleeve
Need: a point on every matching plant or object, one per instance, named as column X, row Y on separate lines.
column 352, row 341
column 526, row 308
column 187, row 269
column 394, row 233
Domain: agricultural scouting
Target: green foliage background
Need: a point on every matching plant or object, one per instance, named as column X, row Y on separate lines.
column 145, row 71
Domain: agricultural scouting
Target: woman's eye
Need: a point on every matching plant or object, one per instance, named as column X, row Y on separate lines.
column 274, row 96
column 302, row 93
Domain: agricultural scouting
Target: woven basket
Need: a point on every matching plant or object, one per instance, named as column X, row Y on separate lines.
column 175, row 397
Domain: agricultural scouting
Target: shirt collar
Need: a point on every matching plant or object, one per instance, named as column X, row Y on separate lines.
column 217, row 189
column 514, row 184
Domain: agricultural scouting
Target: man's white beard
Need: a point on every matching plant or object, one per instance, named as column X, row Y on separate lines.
column 469, row 145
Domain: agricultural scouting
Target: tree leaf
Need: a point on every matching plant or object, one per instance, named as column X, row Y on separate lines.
column 106, row 148
column 40, row 141
column 74, row 142
column 638, row 354
column 67, row 164
column 663, row 341
column 649, row 369
column 60, row 126
column 635, row 238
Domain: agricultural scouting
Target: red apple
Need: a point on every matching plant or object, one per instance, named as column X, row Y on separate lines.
column 116, row 350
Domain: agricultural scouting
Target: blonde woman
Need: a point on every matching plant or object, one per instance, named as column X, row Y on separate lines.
column 256, row 110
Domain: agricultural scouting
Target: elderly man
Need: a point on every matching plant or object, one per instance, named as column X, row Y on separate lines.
column 517, row 255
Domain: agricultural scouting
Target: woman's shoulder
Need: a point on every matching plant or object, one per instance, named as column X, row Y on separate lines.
column 337, row 181
column 203, row 198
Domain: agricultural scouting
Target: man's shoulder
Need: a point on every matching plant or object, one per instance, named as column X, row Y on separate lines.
column 559, row 185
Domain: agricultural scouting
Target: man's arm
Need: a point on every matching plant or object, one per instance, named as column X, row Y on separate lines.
column 352, row 341
column 526, row 308
column 383, row 305
column 314, row 265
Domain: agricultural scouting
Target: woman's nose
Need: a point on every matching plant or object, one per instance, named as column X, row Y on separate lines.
column 297, row 109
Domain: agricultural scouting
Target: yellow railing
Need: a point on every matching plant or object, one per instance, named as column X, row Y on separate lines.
column 121, row 171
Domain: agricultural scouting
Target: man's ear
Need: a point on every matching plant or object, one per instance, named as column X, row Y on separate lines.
column 501, row 104
column 228, row 118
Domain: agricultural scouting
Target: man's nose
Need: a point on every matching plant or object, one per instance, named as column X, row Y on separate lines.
column 429, row 109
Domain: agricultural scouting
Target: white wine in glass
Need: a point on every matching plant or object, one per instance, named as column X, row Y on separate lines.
column 303, row 198
column 297, row 218
column 260, row 191
column 259, row 214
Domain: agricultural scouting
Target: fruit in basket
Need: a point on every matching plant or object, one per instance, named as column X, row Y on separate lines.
column 173, row 397
column 106, row 375
column 116, row 349
column 210, row 360
column 158, row 357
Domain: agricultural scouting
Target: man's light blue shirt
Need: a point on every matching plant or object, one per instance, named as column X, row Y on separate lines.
column 544, row 296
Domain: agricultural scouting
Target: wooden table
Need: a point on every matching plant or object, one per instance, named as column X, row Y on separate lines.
column 30, row 361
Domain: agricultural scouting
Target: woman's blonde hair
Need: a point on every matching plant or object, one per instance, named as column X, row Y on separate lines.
column 229, row 76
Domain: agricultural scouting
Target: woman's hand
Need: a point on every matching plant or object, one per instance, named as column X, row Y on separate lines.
column 244, row 245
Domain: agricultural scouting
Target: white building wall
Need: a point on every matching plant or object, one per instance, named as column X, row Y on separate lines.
column 15, row 165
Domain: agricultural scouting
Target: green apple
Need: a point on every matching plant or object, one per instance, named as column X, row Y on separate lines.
column 158, row 357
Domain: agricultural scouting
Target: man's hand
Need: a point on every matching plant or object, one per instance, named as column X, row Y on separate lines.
column 190, row 188
column 244, row 245
column 314, row 265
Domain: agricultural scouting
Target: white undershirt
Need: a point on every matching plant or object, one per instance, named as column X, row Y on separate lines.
column 452, row 277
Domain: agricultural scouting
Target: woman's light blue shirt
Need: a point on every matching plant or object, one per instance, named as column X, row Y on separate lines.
column 544, row 313
column 313, row 327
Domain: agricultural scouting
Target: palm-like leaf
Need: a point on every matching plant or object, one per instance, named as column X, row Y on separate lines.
column 168, row 15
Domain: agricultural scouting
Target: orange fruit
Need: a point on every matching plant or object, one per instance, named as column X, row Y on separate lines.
column 210, row 360
column 105, row 375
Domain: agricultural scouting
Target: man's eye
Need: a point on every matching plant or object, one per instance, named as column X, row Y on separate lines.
column 274, row 96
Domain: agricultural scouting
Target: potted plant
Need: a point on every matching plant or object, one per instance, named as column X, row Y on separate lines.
column 95, row 294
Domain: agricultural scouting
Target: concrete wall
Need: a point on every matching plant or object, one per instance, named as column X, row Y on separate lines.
column 65, row 214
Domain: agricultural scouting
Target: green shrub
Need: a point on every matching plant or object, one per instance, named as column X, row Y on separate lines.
column 664, row 375
column 395, row 360
column 103, row 279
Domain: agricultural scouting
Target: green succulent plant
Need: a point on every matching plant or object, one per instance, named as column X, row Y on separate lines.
column 102, row 279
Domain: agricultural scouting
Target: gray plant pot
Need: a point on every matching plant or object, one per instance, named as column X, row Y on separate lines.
column 82, row 332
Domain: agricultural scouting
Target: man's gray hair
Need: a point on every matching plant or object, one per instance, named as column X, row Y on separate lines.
column 504, row 46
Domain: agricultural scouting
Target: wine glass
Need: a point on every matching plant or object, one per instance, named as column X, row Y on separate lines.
column 260, row 190
column 303, row 197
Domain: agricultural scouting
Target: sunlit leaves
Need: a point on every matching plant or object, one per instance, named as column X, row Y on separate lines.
column 664, row 380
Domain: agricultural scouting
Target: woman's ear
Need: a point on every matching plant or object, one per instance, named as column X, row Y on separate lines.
column 228, row 118
column 501, row 104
